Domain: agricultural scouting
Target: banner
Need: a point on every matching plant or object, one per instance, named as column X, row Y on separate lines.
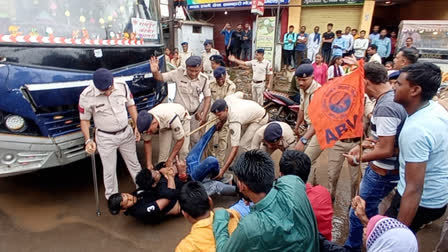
column 331, row 2
column 265, row 37
column 337, row 108
column 257, row 7
column 213, row 4
column 146, row 29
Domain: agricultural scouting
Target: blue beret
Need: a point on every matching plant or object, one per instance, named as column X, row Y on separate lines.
column 216, row 58
column 207, row 42
column 218, row 106
column 193, row 61
column 304, row 70
column 103, row 79
column 184, row 43
column 260, row 50
column 272, row 132
column 394, row 75
column 144, row 120
column 219, row 72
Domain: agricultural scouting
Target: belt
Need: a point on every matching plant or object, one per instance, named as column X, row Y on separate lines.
column 257, row 82
column 351, row 140
column 381, row 171
column 114, row 132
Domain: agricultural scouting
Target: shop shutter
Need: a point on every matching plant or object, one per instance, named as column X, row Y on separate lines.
column 340, row 16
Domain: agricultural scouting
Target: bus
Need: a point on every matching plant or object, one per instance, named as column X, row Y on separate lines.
column 49, row 50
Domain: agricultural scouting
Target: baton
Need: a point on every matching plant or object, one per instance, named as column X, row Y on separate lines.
column 199, row 128
column 95, row 185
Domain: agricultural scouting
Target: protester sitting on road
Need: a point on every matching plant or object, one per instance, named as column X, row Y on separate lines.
column 299, row 164
column 196, row 207
column 281, row 218
column 145, row 204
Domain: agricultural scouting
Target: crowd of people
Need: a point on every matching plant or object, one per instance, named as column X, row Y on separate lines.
column 405, row 148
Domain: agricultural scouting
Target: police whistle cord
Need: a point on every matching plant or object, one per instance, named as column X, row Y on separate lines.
column 95, row 185
column 201, row 127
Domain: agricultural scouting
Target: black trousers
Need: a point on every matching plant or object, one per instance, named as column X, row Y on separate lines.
column 245, row 54
column 288, row 57
column 326, row 54
column 423, row 216
column 299, row 56
column 237, row 52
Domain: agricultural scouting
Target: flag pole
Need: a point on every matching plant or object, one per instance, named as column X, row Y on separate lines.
column 358, row 181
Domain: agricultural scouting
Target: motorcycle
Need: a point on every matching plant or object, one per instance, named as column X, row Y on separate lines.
column 281, row 108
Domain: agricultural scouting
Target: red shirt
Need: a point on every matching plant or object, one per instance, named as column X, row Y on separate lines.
column 320, row 200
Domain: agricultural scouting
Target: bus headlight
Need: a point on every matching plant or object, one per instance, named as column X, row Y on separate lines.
column 15, row 123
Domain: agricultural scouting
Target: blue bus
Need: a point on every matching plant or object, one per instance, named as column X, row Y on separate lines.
column 48, row 52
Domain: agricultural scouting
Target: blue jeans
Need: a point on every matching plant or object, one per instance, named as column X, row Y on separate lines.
column 373, row 189
column 208, row 166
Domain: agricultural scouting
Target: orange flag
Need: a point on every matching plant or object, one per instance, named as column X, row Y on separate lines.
column 336, row 109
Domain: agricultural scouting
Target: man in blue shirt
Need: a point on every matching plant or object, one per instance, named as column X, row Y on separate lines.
column 384, row 45
column 288, row 46
column 227, row 32
column 422, row 193
column 300, row 49
column 375, row 33
column 339, row 44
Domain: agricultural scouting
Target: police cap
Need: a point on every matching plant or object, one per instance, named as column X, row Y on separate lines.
column 144, row 120
column 184, row 43
column 216, row 58
column 103, row 79
column 218, row 106
column 193, row 61
column 394, row 75
column 273, row 132
column 304, row 70
column 260, row 50
column 207, row 42
column 219, row 72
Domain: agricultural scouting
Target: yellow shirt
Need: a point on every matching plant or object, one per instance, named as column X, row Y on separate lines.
column 201, row 238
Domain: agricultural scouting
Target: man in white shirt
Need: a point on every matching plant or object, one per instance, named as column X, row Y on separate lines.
column 360, row 46
column 313, row 46
column 350, row 40
column 374, row 56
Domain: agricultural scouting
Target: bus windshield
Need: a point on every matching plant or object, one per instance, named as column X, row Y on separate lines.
column 81, row 19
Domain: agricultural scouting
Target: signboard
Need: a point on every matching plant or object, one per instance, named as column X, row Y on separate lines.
column 257, row 7
column 331, row 2
column 214, row 4
column 146, row 29
column 265, row 37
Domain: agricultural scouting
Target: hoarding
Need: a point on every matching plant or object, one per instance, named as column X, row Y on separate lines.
column 215, row 4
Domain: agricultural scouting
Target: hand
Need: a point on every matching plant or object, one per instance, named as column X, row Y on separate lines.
column 219, row 125
column 228, row 47
column 354, row 151
column 359, row 206
column 350, row 60
column 149, row 166
column 350, row 159
column 300, row 146
column 154, row 64
column 181, row 166
column 220, row 175
column 231, row 58
column 137, row 135
column 369, row 143
column 168, row 163
column 91, row 147
column 198, row 116
column 167, row 172
column 296, row 130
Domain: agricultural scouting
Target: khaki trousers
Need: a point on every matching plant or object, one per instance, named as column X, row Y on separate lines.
column 335, row 163
column 166, row 141
column 257, row 92
column 313, row 151
column 107, row 145
column 217, row 146
column 246, row 139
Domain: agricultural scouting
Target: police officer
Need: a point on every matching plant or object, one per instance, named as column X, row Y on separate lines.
column 305, row 81
column 107, row 102
column 274, row 136
column 206, row 54
column 221, row 87
column 190, row 84
column 185, row 54
column 170, row 121
column 238, row 113
column 262, row 71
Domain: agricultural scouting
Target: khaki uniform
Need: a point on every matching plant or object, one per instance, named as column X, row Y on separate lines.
column 336, row 159
column 207, row 64
column 187, row 95
column 260, row 70
column 174, row 124
column 183, row 56
column 218, row 145
column 112, row 130
column 288, row 142
column 244, row 113
column 312, row 149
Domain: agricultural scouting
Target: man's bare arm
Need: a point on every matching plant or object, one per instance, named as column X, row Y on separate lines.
column 415, row 178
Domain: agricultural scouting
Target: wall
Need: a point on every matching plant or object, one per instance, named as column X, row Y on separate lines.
column 425, row 10
column 195, row 40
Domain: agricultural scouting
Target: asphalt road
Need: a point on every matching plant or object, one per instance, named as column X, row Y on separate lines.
column 54, row 210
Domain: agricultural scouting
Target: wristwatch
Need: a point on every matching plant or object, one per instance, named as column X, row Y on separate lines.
column 304, row 140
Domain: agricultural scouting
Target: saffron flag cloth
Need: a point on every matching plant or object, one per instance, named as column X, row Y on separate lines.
column 336, row 109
